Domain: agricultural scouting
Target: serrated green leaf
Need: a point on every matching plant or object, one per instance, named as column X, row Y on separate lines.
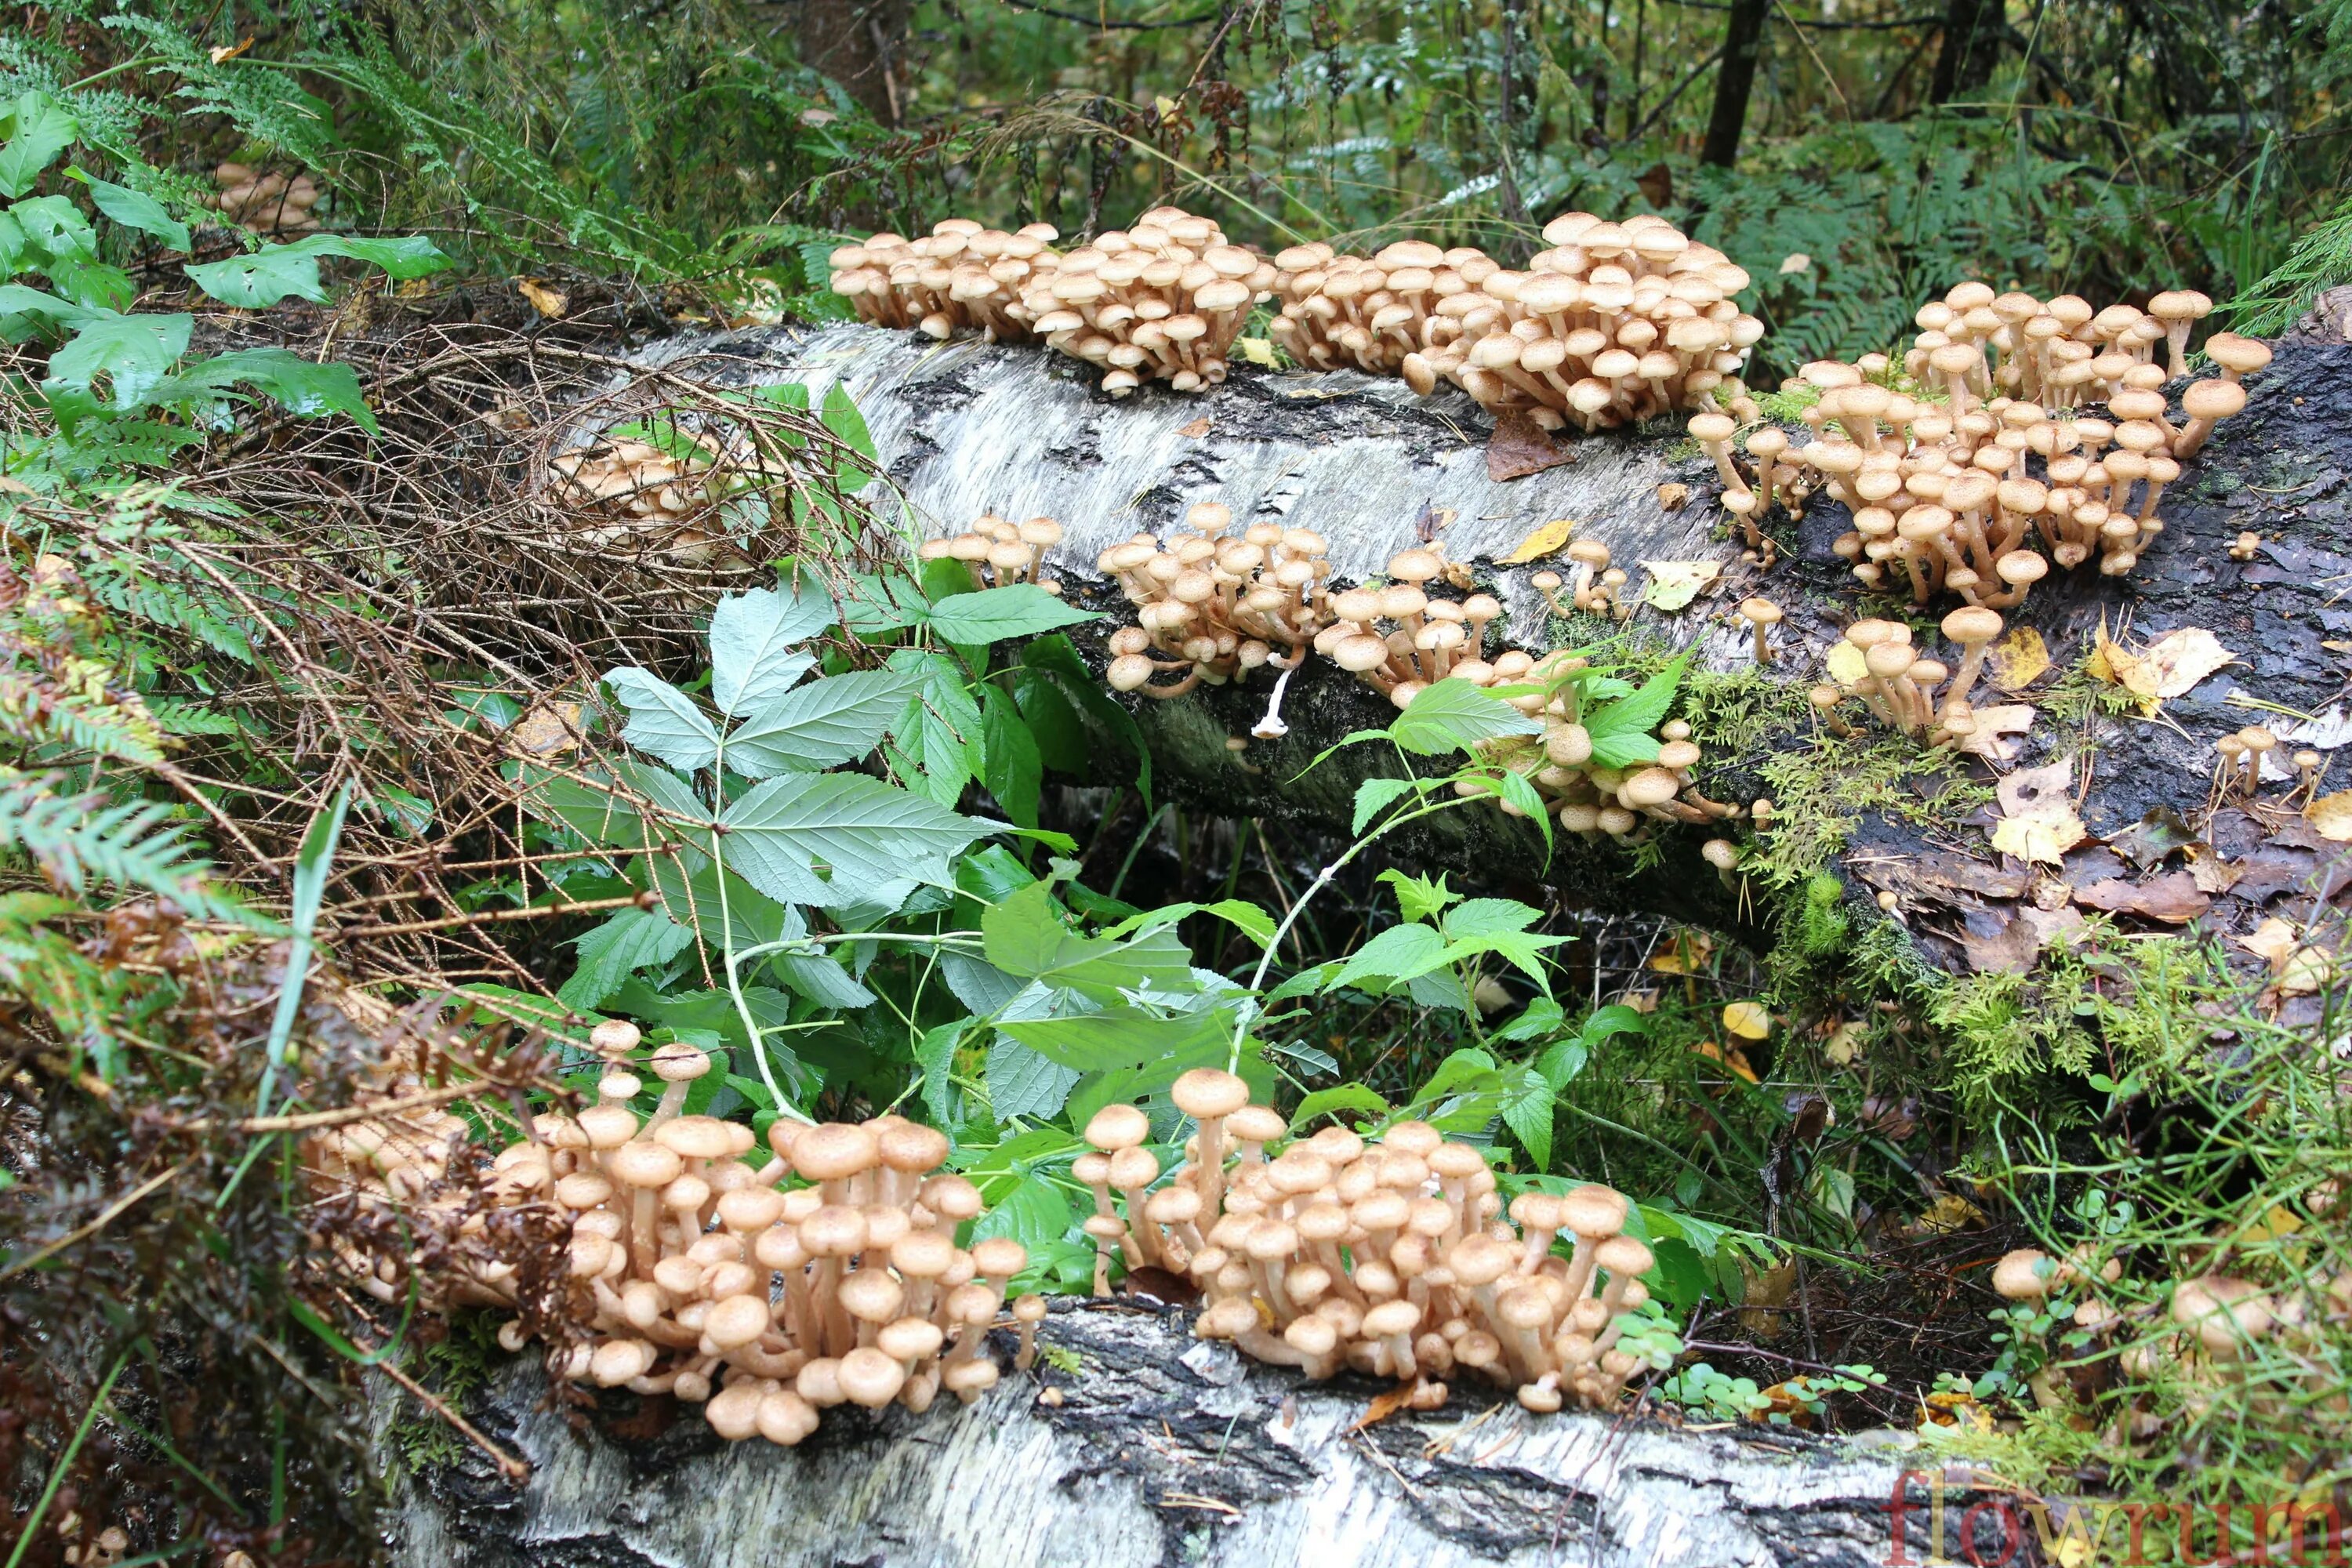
column 1487, row 917
column 995, row 615
column 935, row 1055
column 837, row 718
column 1642, row 711
column 1528, row 1112
column 864, row 836
column 1020, row 1082
column 1011, row 769
column 1059, row 658
column 1453, row 716
column 1120, row 1035
column 1419, row 898
column 1374, row 796
column 663, row 721
column 755, row 655
column 1341, row 1097
column 1398, row 953
column 629, row 941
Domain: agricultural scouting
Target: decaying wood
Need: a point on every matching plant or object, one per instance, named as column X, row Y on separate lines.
column 966, row 428
column 1159, row 1450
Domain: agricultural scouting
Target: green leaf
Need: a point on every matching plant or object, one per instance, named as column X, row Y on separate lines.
column 1059, row 734
column 1059, row 658
column 1021, row 936
column 1453, row 716
column 630, row 940
column 1639, row 714
column 1020, row 1082
column 1419, row 898
column 1397, row 953
column 1487, row 917
column 841, row 416
column 1374, row 796
column 1118, row 1036
column 1352, row 1097
column 1011, row 768
column 935, row 1055
column 133, row 353
column 135, row 209
column 264, row 276
column 303, row 388
column 663, row 721
column 993, row 614
column 1254, row 922
column 1559, row 1066
column 1526, row 1111
column 1540, row 1020
column 1513, row 786
column 871, row 841
column 754, row 644
column 311, row 863
column 837, row 719
column 939, row 733
column 38, row 130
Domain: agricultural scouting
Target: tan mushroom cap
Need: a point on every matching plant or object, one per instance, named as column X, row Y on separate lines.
column 1206, row 1092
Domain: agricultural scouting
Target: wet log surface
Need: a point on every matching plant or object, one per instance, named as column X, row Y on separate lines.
column 966, row 428
column 1146, row 1448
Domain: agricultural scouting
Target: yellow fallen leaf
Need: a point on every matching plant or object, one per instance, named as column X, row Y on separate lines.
column 1847, row 664
column 1673, row 497
column 549, row 302
column 2297, row 968
column 2331, row 815
column 2018, row 659
column 2272, row 942
column 1844, row 1043
column 1258, row 350
column 1674, row 583
column 2038, row 820
column 1749, row 1020
column 2169, row 667
column 1549, row 540
column 1949, row 1213
column 546, row 729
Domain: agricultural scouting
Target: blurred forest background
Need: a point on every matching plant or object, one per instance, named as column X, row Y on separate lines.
column 1856, row 155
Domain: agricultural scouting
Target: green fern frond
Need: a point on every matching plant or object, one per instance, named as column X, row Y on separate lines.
column 78, row 839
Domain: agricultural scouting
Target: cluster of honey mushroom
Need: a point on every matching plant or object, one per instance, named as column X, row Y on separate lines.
column 266, row 203
column 1908, row 690
column 961, row 277
column 1940, row 480
column 1162, row 300
column 637, row 489
column 1388, row 1257
column 1584, row 796
column 2242, row 756
column 706, row 1278
column 2216, row 1329
column 998, row 552
column 1213, row 604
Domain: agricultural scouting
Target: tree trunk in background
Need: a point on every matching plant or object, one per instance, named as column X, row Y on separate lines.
column 1743, row 44
column 857, row 43
column 1157, row 1448
column 966, row 427
column 1971, row 46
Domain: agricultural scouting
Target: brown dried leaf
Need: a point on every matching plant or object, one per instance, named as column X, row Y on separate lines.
column 1672, row 497
column 1949, row 1213
column 1195, row 430
column 1520, row 448
column 2169, row 667
column 1993, row 724
column 1385, row 1403
column 2212, row 874
column 2173, row 898
column 547, row 729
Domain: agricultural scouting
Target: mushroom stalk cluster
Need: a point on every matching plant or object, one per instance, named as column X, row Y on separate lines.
column 961, row 277
column 1596, row 589
column 1213, row 604
column 1389, row 1256
column 703, row 1275
column 998, row 552
column 1160, row 301
column 1611, row 323
column 266, row 203
column 1428, row 638
column 637, row 489
column 1979, row 474
column 1905, row 689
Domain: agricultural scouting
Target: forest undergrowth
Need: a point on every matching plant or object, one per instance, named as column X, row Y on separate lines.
column 346, row 725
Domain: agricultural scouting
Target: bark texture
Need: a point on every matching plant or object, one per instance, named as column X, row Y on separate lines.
column 1161, row 1450
column 967, row 427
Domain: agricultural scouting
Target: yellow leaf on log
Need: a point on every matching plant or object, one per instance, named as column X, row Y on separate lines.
column 2331, row 815
column 1549, row 540
column 1674, row 583
column 2018, row 659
